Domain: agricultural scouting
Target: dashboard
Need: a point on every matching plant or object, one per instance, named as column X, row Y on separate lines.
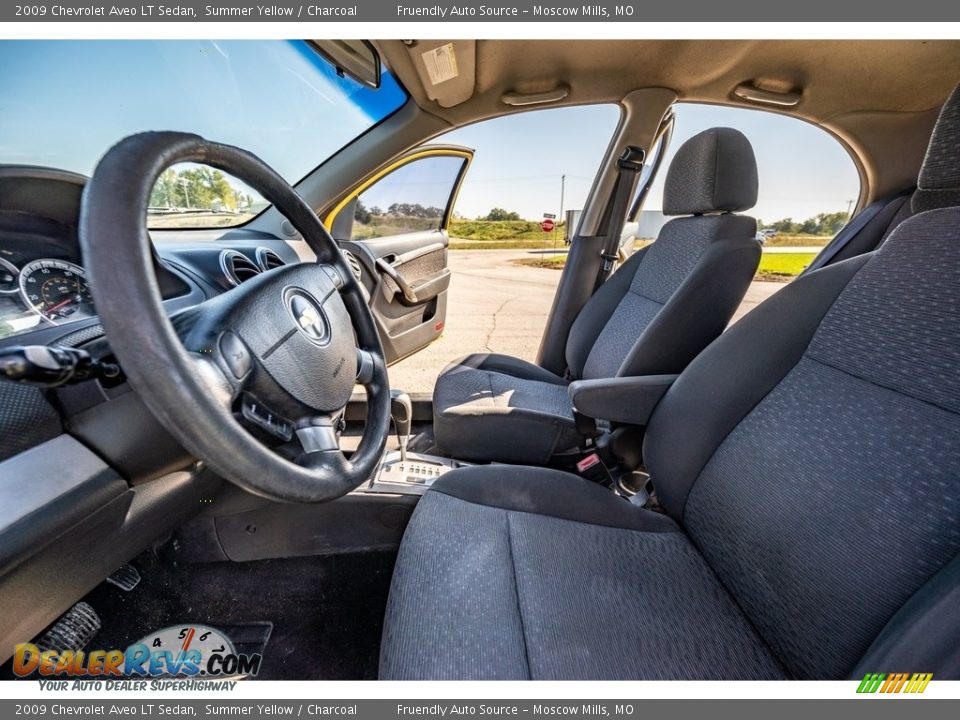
column 45, row 296
column 104, row 478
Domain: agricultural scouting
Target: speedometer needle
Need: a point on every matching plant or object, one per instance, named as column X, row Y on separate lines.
column 63, row 303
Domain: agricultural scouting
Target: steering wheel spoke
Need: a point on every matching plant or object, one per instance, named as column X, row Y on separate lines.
column 320, row 433
column 221, row 387
column 366, row 367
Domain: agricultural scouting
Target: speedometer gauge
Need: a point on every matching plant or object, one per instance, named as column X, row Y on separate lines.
column 57, row 290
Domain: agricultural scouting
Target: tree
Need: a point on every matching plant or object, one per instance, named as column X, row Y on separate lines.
column 199, row 187
column 821, row 224
column 361, row 214
column 414, row 210
column 501, row 214
column 165, row 192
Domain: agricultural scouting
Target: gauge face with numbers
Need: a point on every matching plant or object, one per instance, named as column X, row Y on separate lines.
column 198, row 642
column 57, row 290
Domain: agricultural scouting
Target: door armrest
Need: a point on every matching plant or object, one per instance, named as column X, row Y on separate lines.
column 628, row 400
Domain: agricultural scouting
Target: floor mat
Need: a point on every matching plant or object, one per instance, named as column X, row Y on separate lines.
column 326, row 613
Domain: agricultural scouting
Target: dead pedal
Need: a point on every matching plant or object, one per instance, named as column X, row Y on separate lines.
column 248, row 638
column 126, row 578
column 72, row 631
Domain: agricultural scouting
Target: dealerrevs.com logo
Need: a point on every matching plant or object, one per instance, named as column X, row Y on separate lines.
column 179, row 651
column 892, row 683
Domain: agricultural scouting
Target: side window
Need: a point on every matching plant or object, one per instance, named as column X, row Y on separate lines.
column 809, row 185
column 413, row 198
column 503, row 258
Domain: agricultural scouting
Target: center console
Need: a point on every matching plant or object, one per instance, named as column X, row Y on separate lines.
column 409, row 473
column 403, row 472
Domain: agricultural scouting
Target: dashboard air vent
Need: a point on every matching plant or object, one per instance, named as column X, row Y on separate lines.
column 353, row 263
column 237, row 267
column 268, row 259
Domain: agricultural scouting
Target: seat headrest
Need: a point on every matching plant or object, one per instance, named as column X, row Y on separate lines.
column 939, row 183
column 714, row 171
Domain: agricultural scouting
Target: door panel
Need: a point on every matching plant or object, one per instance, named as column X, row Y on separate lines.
column 394, row 224
column 407, row 279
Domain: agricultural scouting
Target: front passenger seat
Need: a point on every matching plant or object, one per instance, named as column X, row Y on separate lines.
column 653, row 316
column 808, row 467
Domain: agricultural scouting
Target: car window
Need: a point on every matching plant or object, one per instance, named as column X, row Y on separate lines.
column 504, row 265
column 412, row 198
column 529, row 167
column 280, row 100
column 809, row 184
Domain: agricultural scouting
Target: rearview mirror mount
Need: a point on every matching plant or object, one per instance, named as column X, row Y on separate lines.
column 356, row 59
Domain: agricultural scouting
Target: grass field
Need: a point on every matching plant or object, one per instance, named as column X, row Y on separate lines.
column 502, row 235
column 781, row 267
column 196, row 220
column 523, row 234
column 798, row 241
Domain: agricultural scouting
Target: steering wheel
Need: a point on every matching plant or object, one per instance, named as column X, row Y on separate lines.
column 254, row 381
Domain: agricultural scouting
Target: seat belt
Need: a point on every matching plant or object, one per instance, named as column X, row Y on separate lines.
column 615, row 213
column 853, row 228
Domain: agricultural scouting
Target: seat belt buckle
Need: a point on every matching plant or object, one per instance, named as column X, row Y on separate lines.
column 591, row 467
column 608, row 260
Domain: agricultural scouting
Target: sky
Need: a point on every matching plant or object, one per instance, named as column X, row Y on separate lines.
column 519, row 160
column 68, row 102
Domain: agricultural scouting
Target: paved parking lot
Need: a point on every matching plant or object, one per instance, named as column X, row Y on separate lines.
column 495, row 305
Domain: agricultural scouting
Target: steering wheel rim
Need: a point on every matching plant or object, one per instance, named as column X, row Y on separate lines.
column 191, row 389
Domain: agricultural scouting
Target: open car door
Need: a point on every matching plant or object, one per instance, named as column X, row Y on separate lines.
column 393, row 228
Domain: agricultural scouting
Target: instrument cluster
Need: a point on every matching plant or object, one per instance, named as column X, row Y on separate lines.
column 43, row 291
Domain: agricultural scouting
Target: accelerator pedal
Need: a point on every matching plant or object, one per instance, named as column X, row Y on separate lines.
column 126, row 578
column 72, row 631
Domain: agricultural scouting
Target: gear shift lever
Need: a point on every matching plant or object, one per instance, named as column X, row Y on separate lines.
column 409, row 473
column 401, row 410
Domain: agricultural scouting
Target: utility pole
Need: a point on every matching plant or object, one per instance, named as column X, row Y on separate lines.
column 849, row 207
column 560, row 218
column 186, row 192
column 563, row 187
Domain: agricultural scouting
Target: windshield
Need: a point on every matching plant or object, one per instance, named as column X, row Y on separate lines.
column 66, row 103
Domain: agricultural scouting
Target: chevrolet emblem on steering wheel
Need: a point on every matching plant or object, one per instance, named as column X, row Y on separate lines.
column 309, row 317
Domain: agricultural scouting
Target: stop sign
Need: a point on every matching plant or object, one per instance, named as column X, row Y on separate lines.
column 547, row 225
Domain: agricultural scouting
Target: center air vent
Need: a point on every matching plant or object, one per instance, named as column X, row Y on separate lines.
column 268, row 259
column 237, row 267
column 353, row 263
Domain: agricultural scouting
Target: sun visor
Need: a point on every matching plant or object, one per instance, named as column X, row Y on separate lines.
column 446, row 68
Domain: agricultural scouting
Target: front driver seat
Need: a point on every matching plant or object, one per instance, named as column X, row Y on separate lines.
column 653, row 316
column 808, row 463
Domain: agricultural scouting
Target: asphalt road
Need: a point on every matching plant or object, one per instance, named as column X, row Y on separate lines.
column 495, row 305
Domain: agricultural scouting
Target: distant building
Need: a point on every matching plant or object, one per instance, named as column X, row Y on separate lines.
column 646, row 228
column 570, row 223
column 650, row 223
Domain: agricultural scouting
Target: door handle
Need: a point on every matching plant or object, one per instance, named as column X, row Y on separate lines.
column 391, row 272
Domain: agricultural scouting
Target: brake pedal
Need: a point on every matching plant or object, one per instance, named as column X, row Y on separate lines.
column 126, row 578
column 72, row 631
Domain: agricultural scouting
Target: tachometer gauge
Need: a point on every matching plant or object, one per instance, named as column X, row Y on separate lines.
column 57, row 290
column 8, row 278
